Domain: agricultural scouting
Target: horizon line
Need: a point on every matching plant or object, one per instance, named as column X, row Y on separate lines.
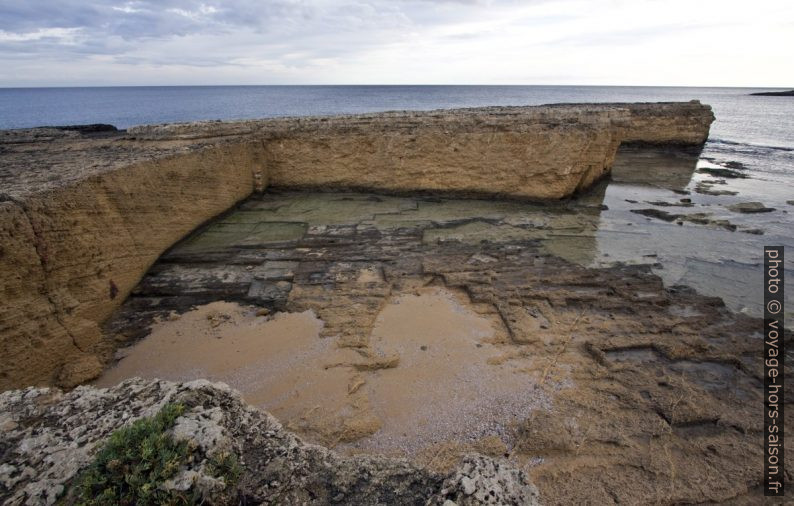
column 385, row 85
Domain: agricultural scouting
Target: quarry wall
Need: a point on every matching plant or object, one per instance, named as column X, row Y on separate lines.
column 83, row 216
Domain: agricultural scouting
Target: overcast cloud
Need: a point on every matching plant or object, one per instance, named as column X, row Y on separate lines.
column 639, row 42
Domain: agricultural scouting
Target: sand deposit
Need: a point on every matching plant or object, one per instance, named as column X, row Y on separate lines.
column 430, row 376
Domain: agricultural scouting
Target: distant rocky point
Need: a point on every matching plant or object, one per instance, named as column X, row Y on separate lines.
column 789, row 93
column 91, row 130
column 94, row 127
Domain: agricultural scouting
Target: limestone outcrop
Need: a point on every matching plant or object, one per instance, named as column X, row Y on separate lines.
column 83, row 214
column 608, row 386
column 70, row 254
column 42, row 427
column 545, row 152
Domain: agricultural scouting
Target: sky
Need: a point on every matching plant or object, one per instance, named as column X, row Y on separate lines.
column 593, row 42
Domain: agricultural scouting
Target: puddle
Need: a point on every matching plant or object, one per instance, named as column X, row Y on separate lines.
column 632, row 355
column 684, row 311
column 479, row 231
column 710, row 375
column 425, row 378
column 275, row 363
column 443, row 389
column 705, row 245
column 239, row 233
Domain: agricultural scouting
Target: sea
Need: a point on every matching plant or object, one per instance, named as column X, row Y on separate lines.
column 753, row 133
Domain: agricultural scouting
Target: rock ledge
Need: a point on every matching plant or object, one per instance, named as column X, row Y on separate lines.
column 48, row 436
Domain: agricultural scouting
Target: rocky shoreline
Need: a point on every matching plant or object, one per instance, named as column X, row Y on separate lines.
column 607, row 367
column 83, row 217
column 48, row 436
column 605, row 386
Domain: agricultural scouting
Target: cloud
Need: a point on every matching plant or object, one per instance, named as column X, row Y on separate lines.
column 51, row 42
column 64, row 34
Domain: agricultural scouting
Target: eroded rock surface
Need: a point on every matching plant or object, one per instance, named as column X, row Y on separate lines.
column 48, row 436
column 84, row 214
column 649, row 395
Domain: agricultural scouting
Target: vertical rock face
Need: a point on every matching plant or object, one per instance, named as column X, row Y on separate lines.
column 70, row 255
column 84, row 215
column 667, row 124
column 544, row 152
column 538, row 153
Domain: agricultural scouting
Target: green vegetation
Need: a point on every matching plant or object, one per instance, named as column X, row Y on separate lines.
column 136, row 460
column 225, row 465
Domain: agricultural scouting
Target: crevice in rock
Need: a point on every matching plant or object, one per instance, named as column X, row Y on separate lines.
column 39, row 245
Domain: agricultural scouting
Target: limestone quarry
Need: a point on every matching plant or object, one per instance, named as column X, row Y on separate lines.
column 396, row 308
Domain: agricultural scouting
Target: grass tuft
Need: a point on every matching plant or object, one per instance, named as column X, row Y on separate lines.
column 227, row 466
column 136, row 460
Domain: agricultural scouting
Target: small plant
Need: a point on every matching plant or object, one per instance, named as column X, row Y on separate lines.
column 225, row 465
column 133, row 464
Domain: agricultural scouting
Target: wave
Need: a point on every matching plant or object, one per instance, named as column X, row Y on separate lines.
column 750, row 145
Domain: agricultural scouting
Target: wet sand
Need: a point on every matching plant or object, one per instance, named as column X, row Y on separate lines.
column 444, row 388
column 428, row 377
column 276, row 363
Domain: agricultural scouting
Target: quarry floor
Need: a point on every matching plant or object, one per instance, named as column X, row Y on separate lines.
column 582, row 340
